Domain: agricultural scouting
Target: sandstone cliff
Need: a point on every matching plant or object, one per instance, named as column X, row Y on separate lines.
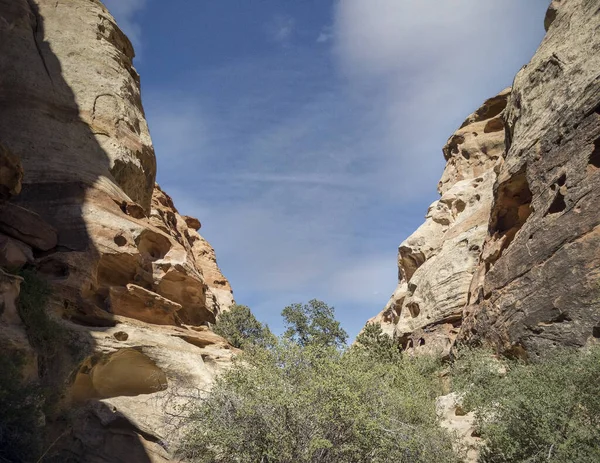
column 509, row 254
column 133, row 283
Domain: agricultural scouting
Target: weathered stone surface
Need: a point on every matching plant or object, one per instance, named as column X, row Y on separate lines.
column 14, row 254
column 520, row 269
column 541, row 288
column 13, row 336
column 10, row 286
column 11, row 174
column 123, row 271
column 136, row 302
column 437, row 263
column 27, row 226
column 477, row 145
column 184, row 229
column 71, row 94
column 187, row 358
column 460, row 423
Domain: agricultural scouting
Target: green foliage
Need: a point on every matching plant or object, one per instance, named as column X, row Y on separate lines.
column 20, row 412
column 45, row 335
column 548, row 411
column 313, row 323
column 309, row 403
column 242, row 329
column 378, row 344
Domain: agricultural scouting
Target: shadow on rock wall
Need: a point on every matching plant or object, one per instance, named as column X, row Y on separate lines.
column 65, row 137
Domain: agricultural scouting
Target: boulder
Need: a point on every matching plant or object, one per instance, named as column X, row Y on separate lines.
column 11, row 174
column 27, row 226
column 14, row 254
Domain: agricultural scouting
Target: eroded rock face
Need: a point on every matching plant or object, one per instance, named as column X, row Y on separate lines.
column 437, row 262
column 133, row 282
column 11, row 174
column 509, row 254
column 542, row 284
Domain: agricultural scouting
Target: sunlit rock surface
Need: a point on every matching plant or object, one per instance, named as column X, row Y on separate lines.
column 509, row 254
column 133, row 282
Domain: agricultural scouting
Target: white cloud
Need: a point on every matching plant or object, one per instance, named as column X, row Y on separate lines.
column 325, row 35
column 281, row 29
column 125, row 12
column 306, row 183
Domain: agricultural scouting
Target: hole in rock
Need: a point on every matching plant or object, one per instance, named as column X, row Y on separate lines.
column 121, row 336
column 126, row 372
column 596, row 332
column 459, row 411
column 594, row 161
column 421, row 342
column 465, row 154
column 410, row 261
column 120, row 240
column 452, row 146
column 562, row 180
column 414, row 309
column 116, row 269
column 153, row 244
column 53, row 268
column 494, row 125
column 561, row 318
column 558, row 205
column 512, row 207
column 459, row 206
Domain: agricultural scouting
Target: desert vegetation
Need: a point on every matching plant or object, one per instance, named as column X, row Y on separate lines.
column 307, row 396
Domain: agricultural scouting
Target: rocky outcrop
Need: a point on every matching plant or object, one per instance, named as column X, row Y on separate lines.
column 541, row 286
column 508, row 255
column 437, row 262
column 134, row 284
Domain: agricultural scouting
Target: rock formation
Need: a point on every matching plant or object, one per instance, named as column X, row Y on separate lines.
column 509, row 254
column 133, row 282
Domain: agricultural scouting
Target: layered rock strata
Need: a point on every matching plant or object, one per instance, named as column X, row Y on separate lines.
column 509, row 254
column 437, row 262
column 541, row 282
column 134, row 283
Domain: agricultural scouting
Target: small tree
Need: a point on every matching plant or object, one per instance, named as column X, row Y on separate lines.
column 313, row 324
column 241, row 328
column 378, row 344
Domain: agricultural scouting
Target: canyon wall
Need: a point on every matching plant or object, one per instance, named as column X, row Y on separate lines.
column 135, row 287
column 509, row 254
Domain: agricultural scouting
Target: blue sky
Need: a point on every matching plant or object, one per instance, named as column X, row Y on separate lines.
column 306, row 135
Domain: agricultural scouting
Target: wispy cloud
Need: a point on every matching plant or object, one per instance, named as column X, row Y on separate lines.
column 307, row 169
column 281, row 29
column 325, row 35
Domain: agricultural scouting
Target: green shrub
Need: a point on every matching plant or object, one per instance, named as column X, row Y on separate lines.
column 45, row 335
column 21, row 433
column 380, row 345
column 548, row 411
column 241, row 328
column 315, row 403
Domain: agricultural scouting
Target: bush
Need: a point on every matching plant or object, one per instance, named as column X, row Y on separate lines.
column 241, row 328
column 380, row 345
column 21, row 433
column 314, row 403
column 45, row 335
column 313, row 323
column 547, row 411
